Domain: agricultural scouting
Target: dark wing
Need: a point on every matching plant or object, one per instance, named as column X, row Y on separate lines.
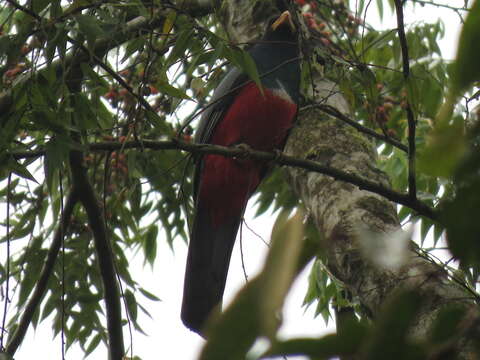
column 215, row 110
column 220, row 101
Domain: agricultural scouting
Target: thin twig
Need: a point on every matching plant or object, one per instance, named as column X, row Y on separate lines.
column 245, row 275
column 412, row 185
column 7, row 275
column 457, row 10
column 62, row 236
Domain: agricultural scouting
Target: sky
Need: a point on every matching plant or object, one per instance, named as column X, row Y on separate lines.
column 167, row 337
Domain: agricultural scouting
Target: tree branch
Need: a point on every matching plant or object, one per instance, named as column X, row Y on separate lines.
column 412, row 185
column 116, row 348
column 41, row 285
column 104, row 255
column 277, row 158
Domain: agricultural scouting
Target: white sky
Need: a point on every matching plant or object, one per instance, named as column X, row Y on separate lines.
column 167, row 337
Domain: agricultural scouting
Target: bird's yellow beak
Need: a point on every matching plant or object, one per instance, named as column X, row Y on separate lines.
column 286, row 17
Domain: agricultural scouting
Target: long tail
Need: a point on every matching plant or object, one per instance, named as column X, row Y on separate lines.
column 208, row 259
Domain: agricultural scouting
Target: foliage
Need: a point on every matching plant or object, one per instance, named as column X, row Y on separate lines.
column 145, row 69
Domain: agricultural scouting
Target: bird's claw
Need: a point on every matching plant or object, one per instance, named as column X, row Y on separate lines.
column 245, row 150
column 277, row 154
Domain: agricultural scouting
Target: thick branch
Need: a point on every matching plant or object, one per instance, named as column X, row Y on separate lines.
column 104, row 255
column 41, row 285
column 116, row 348
column 277, row 158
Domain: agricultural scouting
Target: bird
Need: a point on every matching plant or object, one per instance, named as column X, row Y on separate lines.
column 239, row 113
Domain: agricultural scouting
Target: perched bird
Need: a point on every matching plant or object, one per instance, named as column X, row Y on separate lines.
column 239, row 113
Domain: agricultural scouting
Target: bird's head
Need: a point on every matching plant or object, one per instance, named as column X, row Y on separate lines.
column 281, row 27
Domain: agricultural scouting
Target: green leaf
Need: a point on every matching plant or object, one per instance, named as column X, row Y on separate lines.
column 168, row 89
column 131, row 304
column 169, row 22
column 445, row 148
column 241, row 315
column 5, row 356
column 244, row 61
column 34, row 265
column 345, row 343
column 84, row 116
column 389, row 338
column 460, row 216
column 182, row 41
column 326, row 347
column 57, row 150
column 466, row 69
column 133, row 46
column 39, row 5
column 93, row 344
column 254, row 310
column 380, row 9
column 20, row 170
column 150, row 246
column 89, row 26
column 280, row 269
column 446, row 324
column 149, row 295
column 49, row 306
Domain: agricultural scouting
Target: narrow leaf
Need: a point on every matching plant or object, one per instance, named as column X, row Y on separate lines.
column 280, row 269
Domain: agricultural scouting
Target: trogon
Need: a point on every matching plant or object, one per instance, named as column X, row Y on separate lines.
column 239, row 113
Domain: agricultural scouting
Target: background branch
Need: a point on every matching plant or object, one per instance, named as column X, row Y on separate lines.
column 41, row 285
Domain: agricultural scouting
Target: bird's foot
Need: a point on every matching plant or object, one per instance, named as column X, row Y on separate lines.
column 245, row 150
column 277, row 154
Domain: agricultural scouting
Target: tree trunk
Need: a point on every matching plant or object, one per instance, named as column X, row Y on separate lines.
column 342, row 212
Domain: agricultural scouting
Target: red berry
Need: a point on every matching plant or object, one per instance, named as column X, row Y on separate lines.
column 388, row 106
column 111, row 94
column 124, row 73
column 325, row 42
column 25, row 49
column 391, row 133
